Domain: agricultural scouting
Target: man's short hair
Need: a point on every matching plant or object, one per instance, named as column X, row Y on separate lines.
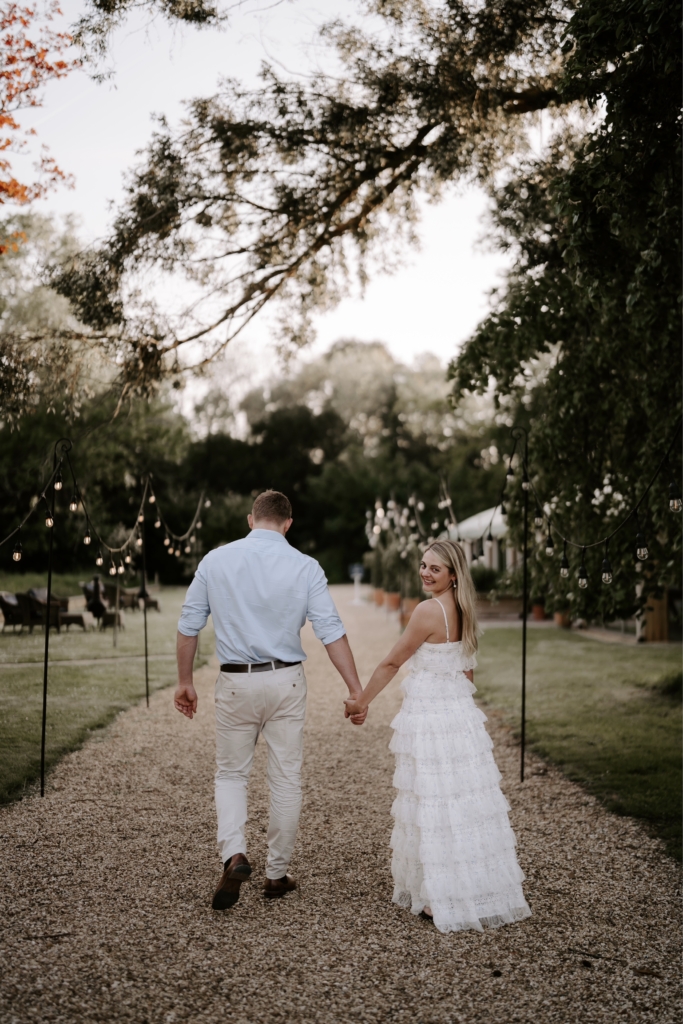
column 272, row 505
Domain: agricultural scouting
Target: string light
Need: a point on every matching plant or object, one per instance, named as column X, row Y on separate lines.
column 152, row 499
column 128, row 558
column 139, row 542
column 121, row 569
column 141, row 517
column 73, row 504
column 641, row 544
column 199, row 524
column 538, row 518
column 87, row 539
column 435, row 526
column 606, row 566
column 207, row 503
column 583, row 575
column 188, row 549
column 49, row 519
column 99, row 560
column 59, row 482
column 177, row 552
column 510, row 475
column 16, row 554
column 564, row 564
column 112, row 569
column 167, row 541
column 526, row 486
column 675, row 498
column 549, row 544
column 503, row 510
column 157, row 523
column 170, row 550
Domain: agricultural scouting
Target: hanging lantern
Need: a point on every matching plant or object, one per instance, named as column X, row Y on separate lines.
column 16, row 554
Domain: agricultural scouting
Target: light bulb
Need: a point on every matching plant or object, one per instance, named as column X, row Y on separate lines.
column 87, row 539
column 503, row 510
column 538, row 518
column 121, row 569
column 420, row 506
column 59, row 483
column 675, row 498
column 606, row 571
column 157, row 524
column 550, row 546
column 49, row 521
column 412, row 524
column 139, row 542
column 73, row 504
column 489, row 537
column 167, row 541
column 435, row 526
column 177, row 552
column 141, row 517
column 198, row 524
column 128, row 559
column 170, row 550
column 152, row 499
column 564, row 568
column 112, row 569
column 583, row 582
column 193, row 539
column 188, row 549
column 16, row 554
column 207, row 503
column 99, row 560
column 510, row 473
column 526, row 486
column 641, row 547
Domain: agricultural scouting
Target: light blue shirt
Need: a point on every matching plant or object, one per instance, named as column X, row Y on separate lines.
column 260, row 591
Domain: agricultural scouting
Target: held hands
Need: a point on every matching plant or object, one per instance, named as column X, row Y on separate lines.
column 185, row 699
column 354, row 710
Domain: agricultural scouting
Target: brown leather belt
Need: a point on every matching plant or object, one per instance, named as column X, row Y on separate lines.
column 265, row 666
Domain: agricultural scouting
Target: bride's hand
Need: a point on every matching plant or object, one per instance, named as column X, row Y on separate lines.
column 355, row 710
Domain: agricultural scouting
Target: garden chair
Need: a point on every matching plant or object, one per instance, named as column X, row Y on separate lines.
column 31, row 616
column 11, row 610
column 38, row 599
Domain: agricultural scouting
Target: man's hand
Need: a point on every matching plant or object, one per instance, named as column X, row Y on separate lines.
column 354, row 710
column 185, row 699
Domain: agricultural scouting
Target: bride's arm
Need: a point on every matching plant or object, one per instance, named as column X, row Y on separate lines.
column 421, row 626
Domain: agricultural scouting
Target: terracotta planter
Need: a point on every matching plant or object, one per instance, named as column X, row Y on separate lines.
column 392, row 600
column 562, row 620
column 378, row 594
column 538, row 612
column 407, row 608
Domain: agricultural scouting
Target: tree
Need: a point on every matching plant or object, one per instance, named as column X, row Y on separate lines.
column 269, row 195
column 30, row 56
column 583, row 345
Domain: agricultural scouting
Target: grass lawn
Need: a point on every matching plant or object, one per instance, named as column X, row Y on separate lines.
column 80, row 697
column 608, row 715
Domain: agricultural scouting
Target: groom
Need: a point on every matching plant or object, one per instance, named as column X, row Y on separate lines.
column 259, row 592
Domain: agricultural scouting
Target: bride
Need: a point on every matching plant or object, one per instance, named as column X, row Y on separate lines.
column 453, row 848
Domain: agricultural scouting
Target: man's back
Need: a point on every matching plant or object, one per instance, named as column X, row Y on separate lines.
column 259, row 592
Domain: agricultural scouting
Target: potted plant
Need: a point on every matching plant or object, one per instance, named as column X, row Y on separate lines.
column 538, row 607
column 391, row 576
column 561, row 611
column 376, row 575
column 412, row 585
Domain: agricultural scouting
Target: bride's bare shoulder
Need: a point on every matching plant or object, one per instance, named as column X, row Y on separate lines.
column 426, row 613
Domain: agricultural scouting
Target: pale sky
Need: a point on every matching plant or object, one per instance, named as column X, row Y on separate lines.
column 432, row 304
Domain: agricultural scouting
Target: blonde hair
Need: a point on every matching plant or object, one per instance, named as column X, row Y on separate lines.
column 453, row 556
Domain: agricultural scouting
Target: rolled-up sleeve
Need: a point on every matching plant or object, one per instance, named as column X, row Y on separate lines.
column 196, row 607
column 321, row 612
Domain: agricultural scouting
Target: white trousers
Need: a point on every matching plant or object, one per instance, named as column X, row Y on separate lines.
column 272, row 703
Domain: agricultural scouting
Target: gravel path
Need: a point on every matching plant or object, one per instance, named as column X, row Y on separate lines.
column 106, row 887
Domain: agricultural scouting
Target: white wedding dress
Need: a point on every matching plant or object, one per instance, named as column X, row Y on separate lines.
column 453, row 847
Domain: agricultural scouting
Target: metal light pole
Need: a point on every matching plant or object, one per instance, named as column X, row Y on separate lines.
column 65, row 445
column 519, row 433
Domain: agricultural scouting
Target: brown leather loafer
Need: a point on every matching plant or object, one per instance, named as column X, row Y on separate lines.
column 275, row 887
column 237, row 870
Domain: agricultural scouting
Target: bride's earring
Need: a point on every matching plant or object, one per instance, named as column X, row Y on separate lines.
column 455, row 584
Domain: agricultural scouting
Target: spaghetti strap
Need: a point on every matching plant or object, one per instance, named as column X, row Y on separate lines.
column 445, row 619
